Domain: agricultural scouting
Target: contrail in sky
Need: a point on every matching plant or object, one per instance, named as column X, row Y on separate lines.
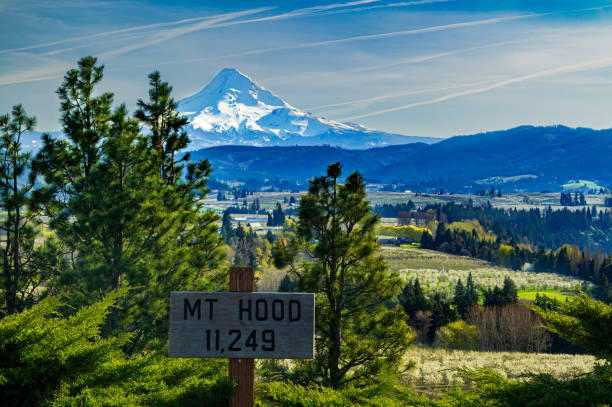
column 123, row 30
column 394, row 95
column 423, row 58
column 553, row 71
column 295, row 13
column 391, row 34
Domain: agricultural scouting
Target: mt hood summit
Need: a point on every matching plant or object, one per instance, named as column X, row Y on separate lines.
column 233, row 109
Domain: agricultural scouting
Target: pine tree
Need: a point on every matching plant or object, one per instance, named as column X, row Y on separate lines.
column 427, row 241
column 166, row 125
column 278, row 216
column 357, row 334
column 413, row 299
column 116, row 200
column 471, row 293
column 226, row 225
column 510, row 291
column 25, row 265
column 459, row 299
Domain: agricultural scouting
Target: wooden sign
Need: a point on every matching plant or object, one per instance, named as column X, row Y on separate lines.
column 242, row 325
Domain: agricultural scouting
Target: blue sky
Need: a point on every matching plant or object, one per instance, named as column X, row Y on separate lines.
column 416, row 67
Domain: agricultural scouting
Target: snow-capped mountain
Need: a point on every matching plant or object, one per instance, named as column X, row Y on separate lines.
column 234, row 109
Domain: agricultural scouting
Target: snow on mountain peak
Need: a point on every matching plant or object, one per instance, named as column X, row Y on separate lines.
column 231, row 85
column 234, row 109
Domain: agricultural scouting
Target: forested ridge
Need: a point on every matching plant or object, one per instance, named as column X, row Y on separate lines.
column 587, row 228
column 568, row 242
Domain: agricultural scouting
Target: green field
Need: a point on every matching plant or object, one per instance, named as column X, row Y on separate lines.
column 560, row 295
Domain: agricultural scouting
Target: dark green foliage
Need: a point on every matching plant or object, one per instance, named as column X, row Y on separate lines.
column 567, row 200
column 25, row 265
column 427, row 241
column 226, row 226
column 277, row 217
column 510, row 291
column 442, row 313
column 166, row 125
column 471, row 293
column 50, row 360
column 412, row 298
column 393, row 210
column 127, row 210
column 583, row 321
column 357, row 335
column 603, row 292
column 498, row 297
column 287, row 284
column 490, row 389
column 546, row 303
column 459, row 298
column 294, row 395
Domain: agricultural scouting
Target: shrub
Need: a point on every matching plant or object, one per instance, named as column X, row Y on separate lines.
column 458, row 335
column 47, row 359
column 542, row 390
column 293, row 395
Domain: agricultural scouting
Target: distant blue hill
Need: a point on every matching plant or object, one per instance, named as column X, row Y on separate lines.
column 525, row 158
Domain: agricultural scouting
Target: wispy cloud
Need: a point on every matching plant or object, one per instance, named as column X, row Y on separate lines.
column 215, row 21
column 107, row 33
column 198, row 25
column 40, row 68
column 394, row 95
column 547, row 72
column 429, row 57
column 166, row 35
column 436, row 28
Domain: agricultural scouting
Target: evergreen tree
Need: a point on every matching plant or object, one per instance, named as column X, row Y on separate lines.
column 357, row 334
column 459, row 298
column 278, row 216
column 442, row 314
column 471, row 293
column 427, row 241
column 116, row 200
column 603, row 290
column 25, row 265
column 493, row 297
column 412, row 298
column 226, row 225
column 510, row 291
column 287, row 284
column 585, row 322
column 166, row 125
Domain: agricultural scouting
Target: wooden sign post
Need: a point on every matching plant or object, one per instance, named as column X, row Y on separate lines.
column 242, row 371
column 242, row 325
